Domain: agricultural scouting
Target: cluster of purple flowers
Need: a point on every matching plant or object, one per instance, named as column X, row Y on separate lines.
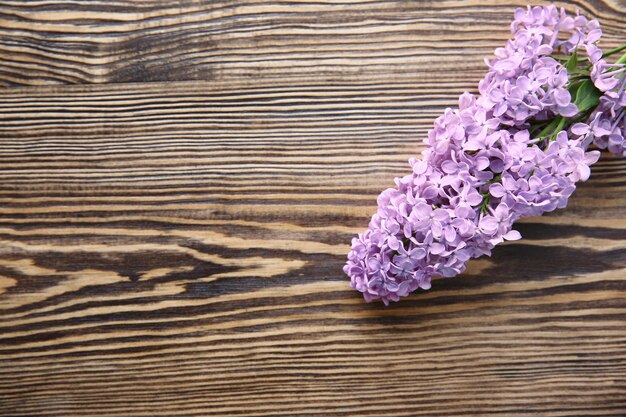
column 512, row 151
column 606, row 128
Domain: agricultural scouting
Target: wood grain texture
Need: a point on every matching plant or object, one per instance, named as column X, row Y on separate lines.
column 245, row 41
column 179, row 184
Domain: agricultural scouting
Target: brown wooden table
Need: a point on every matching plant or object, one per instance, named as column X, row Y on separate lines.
column 179, row 184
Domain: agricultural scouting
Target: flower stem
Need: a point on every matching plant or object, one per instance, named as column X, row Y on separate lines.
column 622, row 59
column 614, row 51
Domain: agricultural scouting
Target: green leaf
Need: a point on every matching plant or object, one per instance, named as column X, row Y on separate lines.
column 574, row 86
column 548, row 130
column 572, row 62
column 587, row 96
column 536, row 126
column 580, row 71
column 558, row 128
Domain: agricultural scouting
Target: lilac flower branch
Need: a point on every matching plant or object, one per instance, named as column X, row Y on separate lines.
column 515, row 150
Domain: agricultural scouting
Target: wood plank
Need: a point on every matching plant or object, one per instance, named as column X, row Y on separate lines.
column 172, row 244
column 286, row 42
column 176, row 249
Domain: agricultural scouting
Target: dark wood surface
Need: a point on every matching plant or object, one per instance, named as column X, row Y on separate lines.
column 179, row 184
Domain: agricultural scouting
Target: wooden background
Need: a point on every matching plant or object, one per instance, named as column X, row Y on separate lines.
column 179, row 183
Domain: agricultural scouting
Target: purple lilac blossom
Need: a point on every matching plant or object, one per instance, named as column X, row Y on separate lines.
column 482, row 169
column 606, row 127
